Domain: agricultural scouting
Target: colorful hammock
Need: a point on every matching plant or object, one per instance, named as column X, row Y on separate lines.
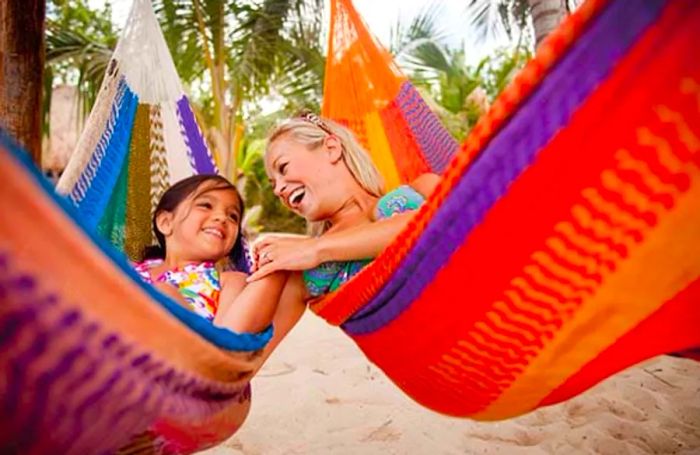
column 563, row 244
column 92, row 359
column 365, row 90
column 140, row 138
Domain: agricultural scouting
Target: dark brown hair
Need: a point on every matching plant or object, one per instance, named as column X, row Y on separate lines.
column 176, row 194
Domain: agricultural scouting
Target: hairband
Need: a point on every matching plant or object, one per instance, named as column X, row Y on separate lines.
column 314, row 119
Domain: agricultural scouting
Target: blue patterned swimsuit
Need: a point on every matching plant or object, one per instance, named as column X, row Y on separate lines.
column 329, row 276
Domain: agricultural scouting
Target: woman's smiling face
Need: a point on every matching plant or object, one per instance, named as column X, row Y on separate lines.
column 303, row 178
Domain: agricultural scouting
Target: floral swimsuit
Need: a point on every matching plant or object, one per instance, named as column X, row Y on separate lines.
column 199, row 284
column 329, row 276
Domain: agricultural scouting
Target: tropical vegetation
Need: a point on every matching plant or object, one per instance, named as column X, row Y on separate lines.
column 239, row 59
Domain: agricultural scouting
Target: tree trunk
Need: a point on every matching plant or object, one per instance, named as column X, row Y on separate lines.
column 546, row 16
column 21, row 71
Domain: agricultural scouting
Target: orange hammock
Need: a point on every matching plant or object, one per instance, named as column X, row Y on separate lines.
column 365, row 91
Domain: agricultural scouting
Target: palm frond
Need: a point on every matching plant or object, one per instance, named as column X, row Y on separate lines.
column 422, row 27
column 89, row 59
column 256, row 40
column 495, row 18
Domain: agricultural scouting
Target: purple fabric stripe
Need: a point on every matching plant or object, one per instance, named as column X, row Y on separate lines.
column 79, row 404
column 576, row 76
column 203, row 161
column 436, row 143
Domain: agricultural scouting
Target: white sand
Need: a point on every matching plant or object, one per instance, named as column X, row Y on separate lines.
column 319, row 395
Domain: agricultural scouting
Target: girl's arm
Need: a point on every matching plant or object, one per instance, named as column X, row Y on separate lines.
column 290, row 309
column 248, row 308
column 360, row 242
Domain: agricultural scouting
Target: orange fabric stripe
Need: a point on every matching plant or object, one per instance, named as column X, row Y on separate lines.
column 661, row 332
column 626, row 297
column 357, row 68
column 404, row 147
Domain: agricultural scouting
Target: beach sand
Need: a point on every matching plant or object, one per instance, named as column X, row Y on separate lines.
column 318, row 395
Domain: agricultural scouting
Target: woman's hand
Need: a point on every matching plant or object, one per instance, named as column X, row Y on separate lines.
column 274, row 252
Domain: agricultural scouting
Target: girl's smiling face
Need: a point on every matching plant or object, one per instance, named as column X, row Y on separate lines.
column 204, row 227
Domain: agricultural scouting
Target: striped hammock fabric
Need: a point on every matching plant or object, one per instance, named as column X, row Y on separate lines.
column 563, row 243
column 93, row 359
column 140, row 138
column 365, row 90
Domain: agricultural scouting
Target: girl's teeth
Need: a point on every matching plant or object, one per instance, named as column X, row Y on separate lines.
column 214, row 232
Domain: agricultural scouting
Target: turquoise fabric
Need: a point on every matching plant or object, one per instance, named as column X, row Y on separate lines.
column 329, row 276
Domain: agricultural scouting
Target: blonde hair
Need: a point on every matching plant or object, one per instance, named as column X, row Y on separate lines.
column 311, row 130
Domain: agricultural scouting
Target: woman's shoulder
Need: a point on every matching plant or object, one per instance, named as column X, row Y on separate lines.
column 406, row 197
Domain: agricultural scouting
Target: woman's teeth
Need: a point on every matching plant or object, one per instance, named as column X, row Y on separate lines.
column 296, row 197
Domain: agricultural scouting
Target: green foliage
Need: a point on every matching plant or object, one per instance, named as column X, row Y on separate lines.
column 493, row 17
column 264, row 51
column 265, row 46
column 79, row 44
column 457, row 92
column 501, row 67
column 76, row 15
column 465, row 92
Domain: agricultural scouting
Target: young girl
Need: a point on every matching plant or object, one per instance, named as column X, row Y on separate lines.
column 197, row 225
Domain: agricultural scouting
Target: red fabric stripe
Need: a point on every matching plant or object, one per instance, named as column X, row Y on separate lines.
column 404, row 146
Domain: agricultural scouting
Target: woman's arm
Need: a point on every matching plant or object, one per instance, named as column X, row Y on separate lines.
column 359, row 242
column 368, row 240
column 249, row 307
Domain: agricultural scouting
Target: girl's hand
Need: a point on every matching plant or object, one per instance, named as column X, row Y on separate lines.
column 274, row 252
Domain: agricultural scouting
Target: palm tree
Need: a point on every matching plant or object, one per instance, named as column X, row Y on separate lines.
column 249, row 50
column 79, row 45
column 546, row 15
column 511, row 16
column 21, row 71
column 461, row 92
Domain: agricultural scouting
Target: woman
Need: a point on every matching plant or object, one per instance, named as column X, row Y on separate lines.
column 319, row 170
